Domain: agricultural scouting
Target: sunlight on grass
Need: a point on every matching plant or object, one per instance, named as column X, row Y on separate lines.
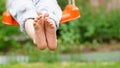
column 63, row 65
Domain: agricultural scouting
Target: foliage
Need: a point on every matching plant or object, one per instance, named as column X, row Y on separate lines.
column 8, row 34
column 95, row 26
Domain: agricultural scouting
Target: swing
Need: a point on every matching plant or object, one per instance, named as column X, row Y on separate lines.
column 71, row 12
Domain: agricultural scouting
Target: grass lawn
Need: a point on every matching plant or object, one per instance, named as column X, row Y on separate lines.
column 63, row 65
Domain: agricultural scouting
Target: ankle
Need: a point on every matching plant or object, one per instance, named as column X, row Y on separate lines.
column 29, row 20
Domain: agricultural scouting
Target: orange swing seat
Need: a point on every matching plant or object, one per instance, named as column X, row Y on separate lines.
column 71, row 12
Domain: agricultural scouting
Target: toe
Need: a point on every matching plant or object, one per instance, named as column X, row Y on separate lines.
column 35, row 20
column 35, row 25
column 39, row 13
column 46, row 15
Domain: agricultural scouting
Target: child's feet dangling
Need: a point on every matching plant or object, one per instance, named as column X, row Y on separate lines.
column 40, row 39
column 50, row 32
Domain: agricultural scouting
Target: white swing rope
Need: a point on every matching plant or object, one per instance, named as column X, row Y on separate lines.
column 71, row 2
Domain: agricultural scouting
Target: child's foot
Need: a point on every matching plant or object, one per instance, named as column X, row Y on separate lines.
column 40, row 39
column 50, row 30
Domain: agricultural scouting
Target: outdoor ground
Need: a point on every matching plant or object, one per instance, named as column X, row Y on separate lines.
column 64, row 65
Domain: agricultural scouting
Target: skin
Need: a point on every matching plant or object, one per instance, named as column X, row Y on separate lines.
column 42, row 31
column 50, row 31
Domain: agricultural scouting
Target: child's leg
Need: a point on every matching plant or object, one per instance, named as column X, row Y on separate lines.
column 53, row 14
column 23, row 10
column 39, row 32
column 35, row 29
column 50, row 31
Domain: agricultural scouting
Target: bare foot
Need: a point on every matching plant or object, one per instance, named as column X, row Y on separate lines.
column 40, row 39
column 50, row 31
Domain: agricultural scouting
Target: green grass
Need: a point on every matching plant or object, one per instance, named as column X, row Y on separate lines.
column 64, row 65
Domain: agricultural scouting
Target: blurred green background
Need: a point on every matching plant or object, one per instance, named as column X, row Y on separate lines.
column 92, row 41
